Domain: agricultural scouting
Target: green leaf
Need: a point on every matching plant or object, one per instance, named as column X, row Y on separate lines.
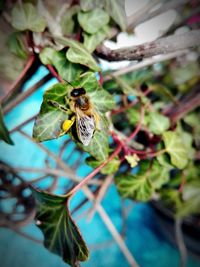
column 91, row 41
column 99, row 146
column 16, row 45
column 49, row 121
column 159, row 175
column 110, row 168
column 136, row 187
column 4, row 134
column 67, row 21
column 102, row 100
column 132, row 160
column 116, row 9
column 61, row 235
column 26, row 17
column 125, row 87
column 66, row 69
column 77, row 53
column 93, row 21
column 87, row 5
column 158, row 123
column 176, row 149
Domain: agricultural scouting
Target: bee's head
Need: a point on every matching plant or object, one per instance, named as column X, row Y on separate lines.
column 77, row 92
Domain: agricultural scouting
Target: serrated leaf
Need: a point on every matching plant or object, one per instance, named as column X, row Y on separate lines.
column 91, row 41
column 61, row 235
column 77, row 53
column 16, row 45
column 87, row 5
column 176, row 149
column 132, row 160
column 99, row 146
column 26, row 17
column 93, row 21
column 158, row 123
column 49, row 121
column 4, row 134
column 66, row 69
column 110, row 168
column 116, row 9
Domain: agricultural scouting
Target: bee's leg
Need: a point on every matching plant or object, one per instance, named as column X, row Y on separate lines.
column 59, row 106
column 67, row 124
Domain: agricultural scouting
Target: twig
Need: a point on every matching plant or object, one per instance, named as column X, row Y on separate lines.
column 26, row 94
column 135, row 132
column 163, row 45
column 13, row 86
column 19, row 126
column 104, row 187
column 119, row 240
column 19, row 232
column 180, row 243
column 145, row 63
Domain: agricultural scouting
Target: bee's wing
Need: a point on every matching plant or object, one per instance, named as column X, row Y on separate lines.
column 85, row 128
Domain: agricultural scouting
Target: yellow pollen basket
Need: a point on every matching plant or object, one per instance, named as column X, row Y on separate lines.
column 67, row 124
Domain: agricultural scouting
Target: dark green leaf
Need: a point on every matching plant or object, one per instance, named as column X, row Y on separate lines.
column 110, row 168
column 4, row 134
column 176, row 149
column 26, row 17
column 61, row 235
column 91, row 41
column 87, row 5
column 49, row 121
column 158, row 123
column 116, row 9
column 77, row 53
column 93, row 21
column 16, row 45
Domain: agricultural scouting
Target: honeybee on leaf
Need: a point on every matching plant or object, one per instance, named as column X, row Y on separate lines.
column 83, row 114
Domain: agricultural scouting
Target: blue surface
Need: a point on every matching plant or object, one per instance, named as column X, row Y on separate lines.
column 142, row 238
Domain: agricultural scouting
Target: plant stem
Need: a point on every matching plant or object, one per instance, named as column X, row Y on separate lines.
column 95, row 171
column 180, row 243
column 54, row 73
column 134, row 133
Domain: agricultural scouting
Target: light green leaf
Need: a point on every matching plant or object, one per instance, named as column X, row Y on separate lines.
column 176, row 149
column 61, row 235
column 16, row 45
column 102, row 100
column 116, row 9
column 159, row 175
column 87, row 5
column 93, row 21
column 98, row 147
column 158, row 123
column 67, row 21
column 132, row 160
column 77, row 53
column 4, row 134
column 26, row 17
column 110, row 168
column 49, row 121
column 91, row 41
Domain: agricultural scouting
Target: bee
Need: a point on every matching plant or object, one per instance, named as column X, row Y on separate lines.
column 83, row 114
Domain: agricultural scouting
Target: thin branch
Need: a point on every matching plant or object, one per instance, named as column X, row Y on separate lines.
column 145, row 63
column 54, row 73
column 163, row 45
column 19, row 232
column 19, row 126
column 180, row 243
column 109, row 224
column 137, row 129
column 13, row 86
column 17, row 100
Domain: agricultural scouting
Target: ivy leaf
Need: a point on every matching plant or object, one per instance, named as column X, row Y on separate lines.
column 110, row 168
column 116, row 9
column 26, row 17
column 102, row 100
column 49, row 121
column 61, row 235
column 4, row 134
column 16, row 45
column 77, row 53
column 136, row 187
column 87, row 5
column 176, row 149
column 99, row 146
column 91, row 41
column 67, row 21
column 159, row 175
column 93, row 21
column 158, row 123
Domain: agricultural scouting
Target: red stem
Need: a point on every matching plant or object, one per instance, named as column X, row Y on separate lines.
column 95, row 171
column 54, row 73
column 134, row 133
column 22, row 74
